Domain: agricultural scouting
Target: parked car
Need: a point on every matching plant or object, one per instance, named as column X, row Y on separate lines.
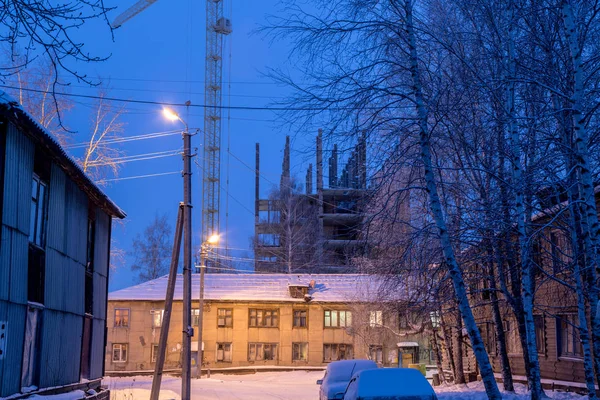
column 337, row 376
column 389, row 384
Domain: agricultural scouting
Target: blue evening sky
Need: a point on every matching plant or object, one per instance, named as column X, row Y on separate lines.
column 159, row 55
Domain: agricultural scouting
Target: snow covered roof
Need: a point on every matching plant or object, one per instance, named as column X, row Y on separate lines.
column 12, row 110
column 329, row 288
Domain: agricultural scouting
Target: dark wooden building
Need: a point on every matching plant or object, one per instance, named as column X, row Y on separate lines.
column 54, row 262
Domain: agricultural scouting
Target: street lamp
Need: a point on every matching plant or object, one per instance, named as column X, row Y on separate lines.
column 210, row 241
column 188, row 331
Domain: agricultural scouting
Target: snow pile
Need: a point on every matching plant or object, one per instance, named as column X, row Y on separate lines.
column 73, row 395
column 141, row 394
column 476, row 391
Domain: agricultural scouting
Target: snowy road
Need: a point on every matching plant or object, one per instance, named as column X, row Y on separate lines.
column 295, row 385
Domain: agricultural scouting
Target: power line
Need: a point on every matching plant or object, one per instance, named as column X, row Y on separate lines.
column 138, row 177
column 126, row 139
column 139, row 157
column 243, row 108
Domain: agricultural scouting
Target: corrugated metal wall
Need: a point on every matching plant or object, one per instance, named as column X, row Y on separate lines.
column 13, row 254
column 66, row 247
column 101, row 265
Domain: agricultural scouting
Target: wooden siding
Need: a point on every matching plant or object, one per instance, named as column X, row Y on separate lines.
column 102, row 248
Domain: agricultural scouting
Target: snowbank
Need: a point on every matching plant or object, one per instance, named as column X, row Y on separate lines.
column 141, row 394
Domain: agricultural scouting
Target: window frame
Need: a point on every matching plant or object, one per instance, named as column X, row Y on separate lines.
column 571, row 321
column 376, row 319
column 378, row 348
column 348, row 348
column 225, row 318
column 153, row 352
column 299, row 319
column 261, row 315
column 123, row 346
column 295, row 352
column 338, row 319
column 263, row 345
column 115, row 317
column 34, row 223
column 155, row 312
column 230, row 351
column 540, row 323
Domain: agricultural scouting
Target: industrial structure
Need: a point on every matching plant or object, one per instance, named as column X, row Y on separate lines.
column 55, row 230
column 267, row 320
column 313, row 231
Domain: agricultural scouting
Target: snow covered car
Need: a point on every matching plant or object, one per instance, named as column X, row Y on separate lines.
column 337, row 376
column 389, row 384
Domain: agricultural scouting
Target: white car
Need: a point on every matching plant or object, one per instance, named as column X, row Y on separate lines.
column 389, row 384
column 337, row 376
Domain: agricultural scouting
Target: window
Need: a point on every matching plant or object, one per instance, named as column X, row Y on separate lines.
column 540, row 337
column 121, row 317
column 224, row 352
column 300, row 318
column 376, row 353
column 569, row 344
column 489, row 338
column 37, row 237
column 225, row 317
column 512, row 337
column 157, row 316
column 270, row 216
column 153, row 353
column 268, row 240
column 264, row 318
column 299, row 351
column 39, row 212
column 89, row 267
column 119, row 352
column 561, row 250
column 337, row 319
column 262, row 351
column 335, row 352
column 195, row 316
column 375, row 319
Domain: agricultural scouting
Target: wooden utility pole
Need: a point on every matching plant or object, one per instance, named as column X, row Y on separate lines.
column 188, row 331
column 164, row 329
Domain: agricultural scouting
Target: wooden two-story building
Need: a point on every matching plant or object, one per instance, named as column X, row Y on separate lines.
column 263, row 320
column 55, row 228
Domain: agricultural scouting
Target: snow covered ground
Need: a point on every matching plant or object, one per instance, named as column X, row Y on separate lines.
column 294, row 385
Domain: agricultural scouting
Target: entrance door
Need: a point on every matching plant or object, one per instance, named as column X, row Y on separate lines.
column 31, row 350
column 86, row 347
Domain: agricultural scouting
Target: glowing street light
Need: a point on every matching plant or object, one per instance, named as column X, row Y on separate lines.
column 211, row 240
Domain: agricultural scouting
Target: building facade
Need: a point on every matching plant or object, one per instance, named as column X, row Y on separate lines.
column 54, row 261
column 262, row 320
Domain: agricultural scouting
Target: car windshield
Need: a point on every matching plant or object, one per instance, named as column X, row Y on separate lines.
column 343, row 372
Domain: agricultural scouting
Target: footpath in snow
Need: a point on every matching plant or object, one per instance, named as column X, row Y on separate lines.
column 293, row 385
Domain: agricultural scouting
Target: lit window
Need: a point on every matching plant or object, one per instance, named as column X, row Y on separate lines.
column 337, row 319
column 157, row 317
column 122, row 317
column 299, row 351
column 375, row 319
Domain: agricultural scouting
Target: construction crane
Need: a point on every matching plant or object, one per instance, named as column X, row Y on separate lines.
column 217, row 27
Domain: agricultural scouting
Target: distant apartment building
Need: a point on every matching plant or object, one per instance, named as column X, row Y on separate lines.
column 306, row 231
column 55, row 229
column 264, row 320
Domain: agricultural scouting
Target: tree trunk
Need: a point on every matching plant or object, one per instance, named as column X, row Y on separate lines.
column 590, row 220
column 454, row 270
column 438, row 356
column 449, row 344
column 459, row 347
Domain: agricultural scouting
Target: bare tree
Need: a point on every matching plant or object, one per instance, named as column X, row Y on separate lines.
column 152, row 249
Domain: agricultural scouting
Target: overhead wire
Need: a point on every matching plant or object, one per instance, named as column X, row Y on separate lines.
column 137, row 177
column 173, row 104
column 126, row 139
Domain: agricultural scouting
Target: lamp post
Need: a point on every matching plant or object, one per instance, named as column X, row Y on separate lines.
column 188, row 331
column 212, row 240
